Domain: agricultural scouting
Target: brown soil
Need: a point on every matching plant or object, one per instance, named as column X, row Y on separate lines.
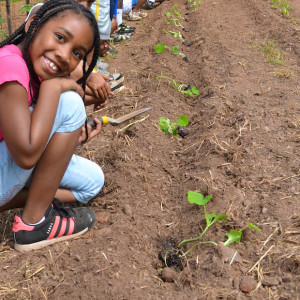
column 242, row 148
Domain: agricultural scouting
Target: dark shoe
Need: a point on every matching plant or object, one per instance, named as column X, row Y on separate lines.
column 116, row 77
column 150, row 4
column 124, row 26
column 112, row 51
column 61, row 223
column 116, row 87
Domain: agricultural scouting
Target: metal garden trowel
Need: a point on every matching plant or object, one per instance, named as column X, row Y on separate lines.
column 116, row 122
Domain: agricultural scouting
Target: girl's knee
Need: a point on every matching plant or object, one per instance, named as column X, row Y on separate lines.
column 93, row 187
column 70, row 112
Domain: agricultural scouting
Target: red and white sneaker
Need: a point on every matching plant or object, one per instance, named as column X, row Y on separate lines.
column 60, row 224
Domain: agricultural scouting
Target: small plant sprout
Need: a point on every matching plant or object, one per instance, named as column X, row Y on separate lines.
column 160, row 48
column 236, row 235
column 232, row 236
column 167, row 127
column 283, row 5
column 176, row 34
column 194, row 4
column 174, row 20
column 199, row 199
column 177, row 13
column 181, row 87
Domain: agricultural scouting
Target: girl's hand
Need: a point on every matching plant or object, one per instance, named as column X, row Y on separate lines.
column 91, row 132
column 98, row 87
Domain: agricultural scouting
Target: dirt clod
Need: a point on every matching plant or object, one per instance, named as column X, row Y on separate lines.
column 229, row 255
column 247, row 284
column 269, row 281
column 169, row 275
column 103, row 217
column 182, row 131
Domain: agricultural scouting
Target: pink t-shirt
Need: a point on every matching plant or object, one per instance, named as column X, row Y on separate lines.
column 13, row 68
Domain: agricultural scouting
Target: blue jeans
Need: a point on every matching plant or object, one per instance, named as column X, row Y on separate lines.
column 83, row 177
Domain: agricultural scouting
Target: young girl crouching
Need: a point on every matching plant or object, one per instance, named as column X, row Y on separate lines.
column 41, row 119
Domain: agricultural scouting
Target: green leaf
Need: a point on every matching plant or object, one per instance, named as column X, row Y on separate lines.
column 197, row 198
column 233, row 236
column 168, row 14
column 195, row 91
column 175, row 50
column 25, row 8
column 210, row 217
column 253, row 226
column 165, row 31
column 174, row 132
column 160, row 48
column 189, row 92
column 220, row 217
column 183, row 121
column 1, row 20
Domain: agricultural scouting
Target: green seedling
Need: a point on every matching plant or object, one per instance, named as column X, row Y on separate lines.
column 232, row 236
column 283, row 5
column 174, row 20
column 180, row 87
column 236, row 235
column 176, row 34
column 199, row 199
column 168, row 127
column 194, row 4
column 160, row 48
column 177, row 13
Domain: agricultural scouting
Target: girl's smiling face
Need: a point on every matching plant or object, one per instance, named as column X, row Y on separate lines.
column 60, row 45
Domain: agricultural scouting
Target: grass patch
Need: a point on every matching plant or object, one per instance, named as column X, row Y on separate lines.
column 271, row 50
column 283, row 73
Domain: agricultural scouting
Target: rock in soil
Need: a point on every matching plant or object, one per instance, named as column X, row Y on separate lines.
column 186, row 43
column 228, row 254
column 269, row 281
column 127, row 210
column 169, row 275
column 103, row 217
column 247, row 284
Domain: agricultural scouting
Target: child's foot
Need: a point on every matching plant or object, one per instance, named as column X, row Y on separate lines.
column 60, row 224
column 116, row 77
column 140, row 13
column 133, row 16
column 116, row 87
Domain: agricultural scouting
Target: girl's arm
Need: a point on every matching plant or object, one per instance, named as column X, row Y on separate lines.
column 25, row 134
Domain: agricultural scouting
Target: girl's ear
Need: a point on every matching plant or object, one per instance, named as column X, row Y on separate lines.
column 28, row 23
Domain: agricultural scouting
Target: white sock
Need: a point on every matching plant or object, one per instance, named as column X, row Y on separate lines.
column 119, row 16
column 43, row 219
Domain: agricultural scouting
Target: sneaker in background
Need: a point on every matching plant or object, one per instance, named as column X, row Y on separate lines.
column 150, row 4
column 116, row 77
column 116, row 87
column 128, row 28
column 61, row 223
column 140, row 13
column 133, row 16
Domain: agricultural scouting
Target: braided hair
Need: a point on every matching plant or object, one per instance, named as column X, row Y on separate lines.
column 49, row 10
